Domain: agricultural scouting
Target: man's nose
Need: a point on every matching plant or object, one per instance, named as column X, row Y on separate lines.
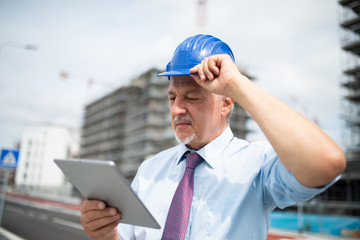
column 179, row 107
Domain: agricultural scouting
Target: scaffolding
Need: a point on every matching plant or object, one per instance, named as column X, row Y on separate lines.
column 350, row 41
column 343, row 197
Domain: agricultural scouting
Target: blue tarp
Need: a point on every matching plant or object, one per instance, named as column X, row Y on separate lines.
column 328, row 224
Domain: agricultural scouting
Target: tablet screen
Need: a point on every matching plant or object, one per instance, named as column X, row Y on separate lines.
column 103, row 180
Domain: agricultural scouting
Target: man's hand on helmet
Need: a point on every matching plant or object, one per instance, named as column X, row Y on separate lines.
column 217, row 74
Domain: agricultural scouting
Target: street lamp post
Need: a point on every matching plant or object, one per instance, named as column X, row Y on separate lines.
column 18, row 45
column 6, row 174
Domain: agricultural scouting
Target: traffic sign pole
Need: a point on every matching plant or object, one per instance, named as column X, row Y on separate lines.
column 8, row 159
column 3, row 192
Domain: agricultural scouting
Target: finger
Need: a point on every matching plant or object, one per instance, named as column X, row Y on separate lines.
column 206, row 69
column 201, row 71
column 101, row 222
column 89, row 205
column 194, row 69
column 96, row 232
column 93, row 215
column 213, row 67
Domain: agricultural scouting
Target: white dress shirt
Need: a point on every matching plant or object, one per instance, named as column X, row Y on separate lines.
column 235, row 190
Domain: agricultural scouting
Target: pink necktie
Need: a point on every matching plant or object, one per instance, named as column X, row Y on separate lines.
column 178, row 216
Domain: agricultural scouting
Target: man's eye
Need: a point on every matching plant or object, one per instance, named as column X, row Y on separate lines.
column 192, row 99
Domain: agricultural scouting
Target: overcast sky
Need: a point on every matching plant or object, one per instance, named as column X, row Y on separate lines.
column 291, row 47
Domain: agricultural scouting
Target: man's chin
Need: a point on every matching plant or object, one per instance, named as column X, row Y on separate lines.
column 185, row 139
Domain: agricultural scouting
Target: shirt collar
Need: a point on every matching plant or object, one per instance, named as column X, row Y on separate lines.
column 213, row 150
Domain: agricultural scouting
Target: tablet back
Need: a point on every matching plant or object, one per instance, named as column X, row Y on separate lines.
column 103, row 180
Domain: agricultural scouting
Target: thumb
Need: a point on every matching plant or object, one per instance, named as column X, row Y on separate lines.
column 195, row 69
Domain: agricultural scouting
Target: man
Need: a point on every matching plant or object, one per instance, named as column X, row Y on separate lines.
column 236, row 184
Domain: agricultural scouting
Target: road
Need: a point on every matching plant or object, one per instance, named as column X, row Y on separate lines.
column 37, row 219
column 34, row 223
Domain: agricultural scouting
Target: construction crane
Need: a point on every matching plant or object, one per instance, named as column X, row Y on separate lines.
column 201, row 15
column 90, row 82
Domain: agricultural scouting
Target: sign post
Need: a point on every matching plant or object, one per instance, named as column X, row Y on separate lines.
column 8, row 159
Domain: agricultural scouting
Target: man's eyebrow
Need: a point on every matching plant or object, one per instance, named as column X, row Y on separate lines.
column 192, row 90
column 170, row 92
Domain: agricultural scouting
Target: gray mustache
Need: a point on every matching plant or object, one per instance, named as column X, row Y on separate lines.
column 182, row 118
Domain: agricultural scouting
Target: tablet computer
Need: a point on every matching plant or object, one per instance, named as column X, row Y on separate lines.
column 103, row 180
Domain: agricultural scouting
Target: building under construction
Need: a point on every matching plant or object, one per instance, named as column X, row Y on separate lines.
column 133, row 123
column 344, row 196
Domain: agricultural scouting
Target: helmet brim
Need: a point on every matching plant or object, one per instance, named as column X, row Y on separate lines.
column 174, row 73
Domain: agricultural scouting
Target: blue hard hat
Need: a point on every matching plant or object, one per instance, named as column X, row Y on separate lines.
column 192, row 51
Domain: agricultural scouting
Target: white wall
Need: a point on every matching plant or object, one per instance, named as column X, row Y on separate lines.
column 40, row 145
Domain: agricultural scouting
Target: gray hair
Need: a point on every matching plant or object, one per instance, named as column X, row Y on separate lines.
column 222, row 98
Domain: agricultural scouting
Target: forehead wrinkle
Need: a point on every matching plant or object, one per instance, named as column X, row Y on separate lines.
column 185, row 85
column 184, row 92
column 181, row 80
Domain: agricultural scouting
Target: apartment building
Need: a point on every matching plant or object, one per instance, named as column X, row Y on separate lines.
column 40, row 144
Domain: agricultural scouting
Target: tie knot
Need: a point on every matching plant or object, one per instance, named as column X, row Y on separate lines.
column 192, row 160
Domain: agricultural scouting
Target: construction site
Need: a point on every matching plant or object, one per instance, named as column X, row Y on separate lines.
column 131, row 122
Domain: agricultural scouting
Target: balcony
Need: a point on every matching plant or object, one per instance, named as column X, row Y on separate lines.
column 355, row 96
column 353, row 47
column 352, row 24
column 355, row 71
column 352, row 4
column 355, row 85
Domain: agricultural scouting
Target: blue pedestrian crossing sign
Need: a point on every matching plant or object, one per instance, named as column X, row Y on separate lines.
column 9, row 158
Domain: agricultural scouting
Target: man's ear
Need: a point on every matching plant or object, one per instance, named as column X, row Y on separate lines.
column 227, row 104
